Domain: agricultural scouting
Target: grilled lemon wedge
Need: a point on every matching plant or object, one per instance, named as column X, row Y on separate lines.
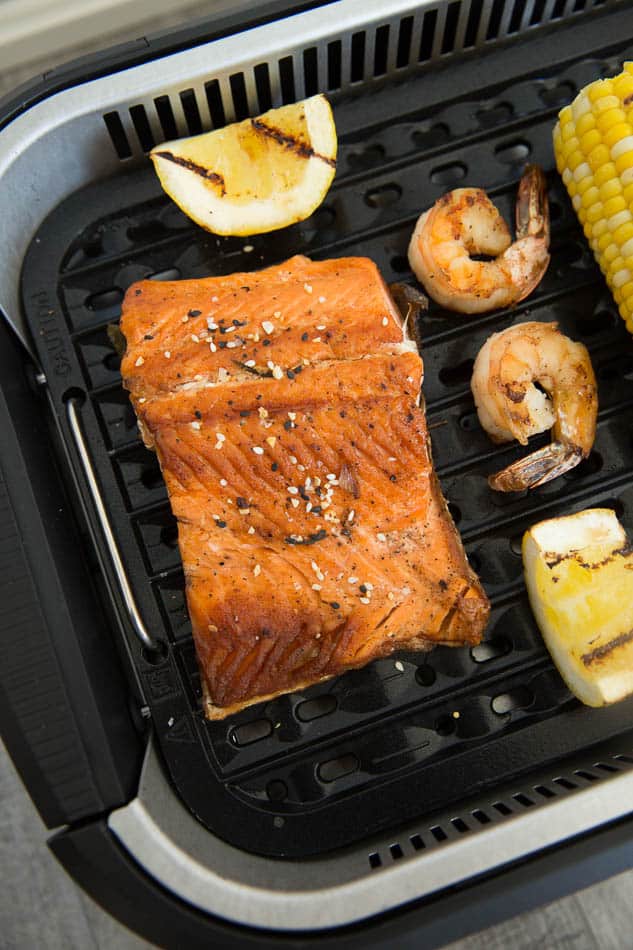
column 579, row 576
column 253, row 176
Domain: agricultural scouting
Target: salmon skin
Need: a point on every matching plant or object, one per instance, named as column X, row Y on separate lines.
column 284, row 409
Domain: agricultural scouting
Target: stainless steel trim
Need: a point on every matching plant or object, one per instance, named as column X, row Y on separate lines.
column 74, row 420
column 163, row 837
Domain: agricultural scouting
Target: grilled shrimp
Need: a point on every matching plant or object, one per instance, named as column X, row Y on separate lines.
column 510, row 405
column 465, row 222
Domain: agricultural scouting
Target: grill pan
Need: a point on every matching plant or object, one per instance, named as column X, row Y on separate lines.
column 408, row 737
column 417, row 724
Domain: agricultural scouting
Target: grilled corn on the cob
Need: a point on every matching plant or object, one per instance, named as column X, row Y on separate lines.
column 593, row 144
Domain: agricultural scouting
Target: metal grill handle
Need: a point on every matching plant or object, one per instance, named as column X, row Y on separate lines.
column 74, row 419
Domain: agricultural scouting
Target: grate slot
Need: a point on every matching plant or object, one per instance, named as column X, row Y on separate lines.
column 241, row 106
column 494, row 20
column 251, row 732
column 544, row 791
column 191, row 111
column 262, row 86
column 335, row 769
column 214, row 101
column 334, row 65
column 588, row 776
column 311, row 71
column 403, row 49
column 538, row 12
column 142, row 128
column 450, row 27
column 502, row 808
column 166, row 118
column 357, row 57
column 286, row 80
column 381, row 50
column 438, row 833
column 118, row 135
column 440, row 29
column 523, row 799
column 565, row 783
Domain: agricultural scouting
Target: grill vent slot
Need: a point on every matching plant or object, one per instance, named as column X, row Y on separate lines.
column 191, row 111
column 444, row 833
column 142, row 127
column 117, row 135
column 166, row 118
column 332, row 63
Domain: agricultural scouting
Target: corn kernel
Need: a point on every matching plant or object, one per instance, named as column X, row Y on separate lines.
column 600, row 227
column 598, row 157
column 615, row 220
column 622, row 86
column 585, row 122
column 613, row 205
column 590, row 194
column 610, row 189
column 623, row 235
column 605, row 173
column 624, row 162
column 613, row 121
column 589, row 140
column 603, row 243
column 565, row 117
column 605, row 102
column 621, row 277
column 576, row 159
column 595, row 214
column 627, row 289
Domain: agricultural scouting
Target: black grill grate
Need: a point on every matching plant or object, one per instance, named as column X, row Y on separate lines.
column 309, row 772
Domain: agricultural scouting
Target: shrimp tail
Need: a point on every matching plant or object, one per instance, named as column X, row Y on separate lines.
column 537, row 468
column 532, row 207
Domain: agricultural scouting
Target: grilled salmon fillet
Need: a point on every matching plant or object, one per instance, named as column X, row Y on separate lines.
column 312, row 528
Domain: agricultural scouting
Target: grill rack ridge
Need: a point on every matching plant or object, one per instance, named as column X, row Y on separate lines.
column 306, row 761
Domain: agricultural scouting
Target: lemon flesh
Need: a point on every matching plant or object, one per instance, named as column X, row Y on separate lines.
column 253, row 176
column 579, row 577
